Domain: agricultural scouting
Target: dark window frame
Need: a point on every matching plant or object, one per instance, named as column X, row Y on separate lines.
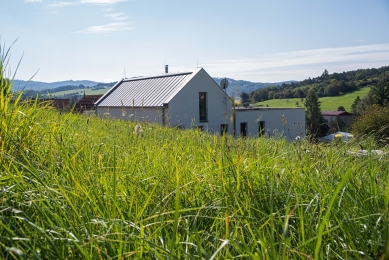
column 243, row 129
column 203, row 111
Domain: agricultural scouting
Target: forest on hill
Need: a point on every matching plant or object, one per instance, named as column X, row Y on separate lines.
column 326, row 85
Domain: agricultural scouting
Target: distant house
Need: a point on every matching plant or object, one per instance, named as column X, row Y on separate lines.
column 86, row 103
column 59, row 104
column 193, row 99
column 329, row 116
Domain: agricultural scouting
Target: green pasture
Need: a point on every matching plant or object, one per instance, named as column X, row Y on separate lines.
column 327, row 103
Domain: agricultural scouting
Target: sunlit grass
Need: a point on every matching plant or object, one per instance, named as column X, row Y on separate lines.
column 77, row 187
column 86, row 187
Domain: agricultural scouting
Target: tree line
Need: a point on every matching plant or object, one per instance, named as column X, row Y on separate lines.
column 371, row 113
column 327, row 84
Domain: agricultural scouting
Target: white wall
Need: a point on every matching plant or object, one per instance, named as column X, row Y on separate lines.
column 184, row 107
column 295, row 121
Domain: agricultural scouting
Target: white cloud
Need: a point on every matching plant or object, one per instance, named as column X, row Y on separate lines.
column 61, row 4
column 32, row 1
column 102, row 2
column 107, row 28
column 299, row 65
column 116, row 16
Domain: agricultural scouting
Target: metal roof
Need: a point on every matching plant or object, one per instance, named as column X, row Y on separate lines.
column 145, row 91
column 335, row 113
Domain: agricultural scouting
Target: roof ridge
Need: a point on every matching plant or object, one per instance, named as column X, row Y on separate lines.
column 158, row 76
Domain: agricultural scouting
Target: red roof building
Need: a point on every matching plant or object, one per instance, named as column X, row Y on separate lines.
column 343, row 115
column 86, row 103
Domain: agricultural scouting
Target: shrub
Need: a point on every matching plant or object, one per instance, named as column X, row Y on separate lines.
column 373, row 122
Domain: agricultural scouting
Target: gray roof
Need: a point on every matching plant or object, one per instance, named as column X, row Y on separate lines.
column 145, row 91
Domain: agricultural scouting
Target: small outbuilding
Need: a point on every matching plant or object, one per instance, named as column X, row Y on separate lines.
column 269, row 122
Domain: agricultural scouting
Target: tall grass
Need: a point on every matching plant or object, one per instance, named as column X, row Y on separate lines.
column 74, row 187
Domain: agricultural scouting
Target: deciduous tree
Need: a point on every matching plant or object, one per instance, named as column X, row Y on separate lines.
column 373, row 122
column 244, row 97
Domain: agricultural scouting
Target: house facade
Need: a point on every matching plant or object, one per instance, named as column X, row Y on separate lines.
column 329, row 116
column 194, row 100
column 270, row 122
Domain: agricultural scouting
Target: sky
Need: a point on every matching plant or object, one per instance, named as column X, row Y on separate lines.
column 255, row 40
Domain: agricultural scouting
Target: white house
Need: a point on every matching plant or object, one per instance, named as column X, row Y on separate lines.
column 188, row 99
column 194, row 99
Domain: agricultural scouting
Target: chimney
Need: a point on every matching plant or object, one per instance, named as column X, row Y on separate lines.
column 166, row 68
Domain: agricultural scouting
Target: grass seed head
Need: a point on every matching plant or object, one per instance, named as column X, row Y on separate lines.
column 283, row 120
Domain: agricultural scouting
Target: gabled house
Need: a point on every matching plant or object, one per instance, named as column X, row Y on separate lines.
column 187, row 99
column 194, row 99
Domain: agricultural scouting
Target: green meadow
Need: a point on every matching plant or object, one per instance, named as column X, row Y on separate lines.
column 77, row 187
column 82, row 187
column 327, row 103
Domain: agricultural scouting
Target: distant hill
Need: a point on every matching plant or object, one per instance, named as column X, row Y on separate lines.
column 236, row 87
column 38, row 85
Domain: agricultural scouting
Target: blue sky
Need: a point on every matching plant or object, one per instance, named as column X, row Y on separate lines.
column 256, row 40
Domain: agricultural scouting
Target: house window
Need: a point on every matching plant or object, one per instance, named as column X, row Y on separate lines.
column 243, row 129
column 261, row 128
column 203, row 106
column 223, row 129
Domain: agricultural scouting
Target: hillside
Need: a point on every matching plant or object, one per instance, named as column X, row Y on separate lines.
column 38, row 85
column 236, row 87
column 327, row 103
column 326, row 85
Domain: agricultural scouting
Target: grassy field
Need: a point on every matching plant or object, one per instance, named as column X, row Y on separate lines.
column 76, row 187
column 88, row 91
column 327, row 103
